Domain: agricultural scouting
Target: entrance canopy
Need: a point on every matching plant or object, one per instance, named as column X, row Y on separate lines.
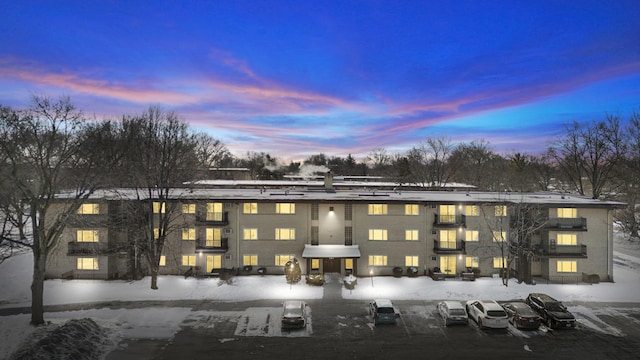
column 331, row 251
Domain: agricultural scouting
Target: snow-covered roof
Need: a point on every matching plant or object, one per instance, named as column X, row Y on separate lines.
column 331, row 251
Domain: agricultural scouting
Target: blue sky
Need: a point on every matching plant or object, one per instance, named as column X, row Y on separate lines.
column 296, row 78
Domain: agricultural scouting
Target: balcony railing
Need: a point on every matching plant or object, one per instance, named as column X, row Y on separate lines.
column 449, row 247
column 450, row 220
column 214, row 218
column 87, row 248
column 215, row 246
column 567, row 251
column 576, row 224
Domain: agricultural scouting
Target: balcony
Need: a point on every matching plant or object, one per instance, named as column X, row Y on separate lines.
column 87, row 248
column 213, row 246
column 562, row 251
column 458, row 247
column 215, row 218
column 449, row 221
column 573, row 224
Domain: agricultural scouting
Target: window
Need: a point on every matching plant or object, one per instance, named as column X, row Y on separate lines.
column 189, row 234
column 188, row 208
column 377, row 209
column 250, row 260
column 213, row 237
column 250, row 208
column 498, row 262
column 448, row 239
column 87, row 236
column 377, row 260
column 567, row 266
column 567, row 213
column 89, row 209
column 348, row 264
column 87, row 264
column 285, row 234
column 501, row 210
column 411, row 260
column 213, row 262
column 163, row 260
column 378, row 234
column 471, row 235
column 159, row 208
column 188, row 260
column 412, row 209
column 156, row 233
column 499, row 236
column 448, row 264
column 315, row 264
column 472, row 210
column 250, row 234
column 471, row 262
column 281, row 260
column 285, row 208
column 447, row 214
column 411, row 235
column 567, row 239
column 214, row 211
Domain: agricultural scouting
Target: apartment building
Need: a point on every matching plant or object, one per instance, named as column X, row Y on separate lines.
column 257, row 230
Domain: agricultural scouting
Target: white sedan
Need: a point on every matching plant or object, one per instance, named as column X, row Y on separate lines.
column 488, row 314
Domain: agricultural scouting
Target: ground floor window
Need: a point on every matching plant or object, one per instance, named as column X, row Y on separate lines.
column 163, row 260
column 188, row 260
column 411, row 260
column 348, row 264
column 448, row 264
column 282, row 259
column 315, row 264
column 87, row 264
column 214, row 262
column 250, row 260
column 498, row 262
column 472, row 262
column 567, row 266
column 377, row 260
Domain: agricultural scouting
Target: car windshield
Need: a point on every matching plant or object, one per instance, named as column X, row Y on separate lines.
column 555, row 306
column 456, row 312
column 385, row 310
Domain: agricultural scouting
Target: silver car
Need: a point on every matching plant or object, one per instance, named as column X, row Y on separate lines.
column 452, row 312
column 293, row 314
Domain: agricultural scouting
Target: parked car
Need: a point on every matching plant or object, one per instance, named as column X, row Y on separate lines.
column 452, row 312
column 521, row 315
column 553, row 312
column 488, row 314
column 293, row 314
column 382, row 311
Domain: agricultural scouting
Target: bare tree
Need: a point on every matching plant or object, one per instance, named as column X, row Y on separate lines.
column 477, row 164
column 211, row 152
column 629, row 175
column 427, row 164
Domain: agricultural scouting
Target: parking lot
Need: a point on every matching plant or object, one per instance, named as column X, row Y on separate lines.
column 344, row 330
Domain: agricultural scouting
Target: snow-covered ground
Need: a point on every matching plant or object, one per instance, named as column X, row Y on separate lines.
column 15, row 279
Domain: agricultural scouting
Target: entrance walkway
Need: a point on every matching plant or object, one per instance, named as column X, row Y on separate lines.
column 332, row 287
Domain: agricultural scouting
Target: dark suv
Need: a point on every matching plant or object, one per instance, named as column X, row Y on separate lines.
column 552, row 311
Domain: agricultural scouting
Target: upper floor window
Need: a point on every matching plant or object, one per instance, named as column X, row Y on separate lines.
column 567, row 239
column 377, row 209
column 250, row 234
column 472, row 210
column 501, row 210
column 567, row 213
column 447, row 214
column 285, row 234
column 87, row 236
column 188, row 208
column 412, row 209
column 285, row 208
column 250, row 208
column 214, row 211
column 377, row 234
column 411, row 235
column 189, row 234
column 159, row 207
column 213, row 237
column 499, row 236
column 448, row 239
column 89, row 209
column 471, row 235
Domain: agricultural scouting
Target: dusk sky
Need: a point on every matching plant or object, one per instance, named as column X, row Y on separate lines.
column 297, row 78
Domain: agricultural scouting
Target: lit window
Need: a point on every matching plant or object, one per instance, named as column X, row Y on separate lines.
column 163, row 260
column 156, row 233
column 567, row 239
column 448, row 239
column 281, row 260
column 377, row 234
column 412, row 209
column 471, row 235
column 471, row 261
column 87, row 236
column 567, row 266
column 213, row 262
column 411, row 261
column 377, row 209
column 315, row 264
column 377, row 260
column 188, row 260
column 250, row 260
column 348, row 264
column 159, row 208
column 411, row 235
column 87, row 264
column 214, row 211
column 447, row 214
column 250, row 234
column 188, row 208
column 89, row 209
column 285, row 208
column 472, row 210
column 567, row 213
column 499, row 236
column 250, row 208
column 448, row 264
column 189, row 234
column 285, row 234
column 213, row 237
column 498, row 262
column 501, row 210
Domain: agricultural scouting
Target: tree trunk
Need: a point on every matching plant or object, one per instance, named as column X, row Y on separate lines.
column 154, row 278
column 37, row 288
